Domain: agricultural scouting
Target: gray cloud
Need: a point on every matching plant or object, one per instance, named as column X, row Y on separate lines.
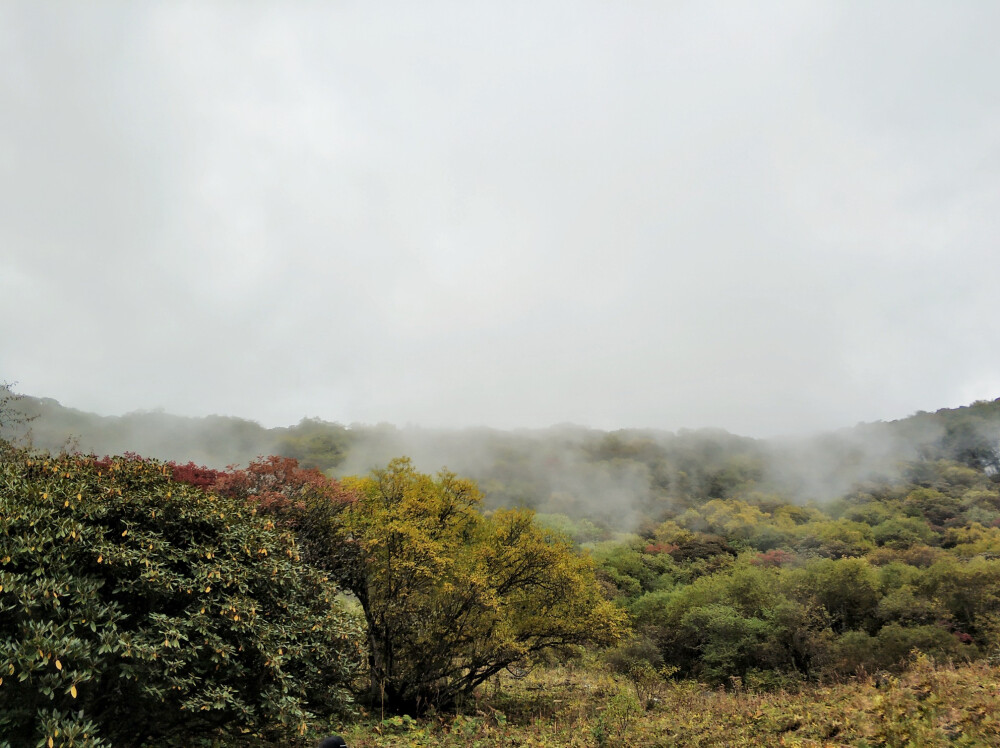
column 770, row 219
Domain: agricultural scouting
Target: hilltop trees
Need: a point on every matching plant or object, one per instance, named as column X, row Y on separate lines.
column 451, row 597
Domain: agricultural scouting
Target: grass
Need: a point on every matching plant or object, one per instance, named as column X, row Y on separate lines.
column 929, row 705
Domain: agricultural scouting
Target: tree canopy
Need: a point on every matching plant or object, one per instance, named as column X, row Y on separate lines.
column 450, row 596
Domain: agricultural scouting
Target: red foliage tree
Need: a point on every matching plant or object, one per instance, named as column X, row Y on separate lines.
column 299, row 499
column 275, row 484
column 278, row 485
column 198, row 476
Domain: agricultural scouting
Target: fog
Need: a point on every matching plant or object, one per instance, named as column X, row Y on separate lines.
column 621, row 480
column 775, row 218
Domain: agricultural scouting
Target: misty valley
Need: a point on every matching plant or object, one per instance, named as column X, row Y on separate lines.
column 178, row 581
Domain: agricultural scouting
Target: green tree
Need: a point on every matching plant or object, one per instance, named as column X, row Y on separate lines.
column 451, row 597
column 836, row 539
column 848, row 589
column 136, row 609
column 314, row 443
column 903, row 532
column 632, row 569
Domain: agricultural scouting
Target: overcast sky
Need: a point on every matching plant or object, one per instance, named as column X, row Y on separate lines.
column 768, row 217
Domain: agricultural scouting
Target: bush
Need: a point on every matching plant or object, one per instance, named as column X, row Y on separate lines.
column 903, row 532
column 136, row 609
column 896, row 644
column 639, row 653
column 615, row 720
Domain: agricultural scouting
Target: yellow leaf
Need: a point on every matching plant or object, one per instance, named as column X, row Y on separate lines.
column 58, row 665
column 72, row 691
column 51, row 742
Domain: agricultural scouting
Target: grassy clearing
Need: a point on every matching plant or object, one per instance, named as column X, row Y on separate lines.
column 930, row 705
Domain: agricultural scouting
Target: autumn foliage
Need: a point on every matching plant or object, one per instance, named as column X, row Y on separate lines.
column 198, row 476
column 277, row 485
column 452, row 597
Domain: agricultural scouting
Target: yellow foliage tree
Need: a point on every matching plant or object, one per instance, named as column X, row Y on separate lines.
column 452, row 597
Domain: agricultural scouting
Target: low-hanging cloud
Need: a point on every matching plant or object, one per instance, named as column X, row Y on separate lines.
column 771, row 219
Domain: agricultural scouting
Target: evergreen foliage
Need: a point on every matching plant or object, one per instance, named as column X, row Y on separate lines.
column 135, row 609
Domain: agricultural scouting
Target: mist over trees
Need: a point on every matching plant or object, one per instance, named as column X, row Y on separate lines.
column 618, row 480
column 214, row 441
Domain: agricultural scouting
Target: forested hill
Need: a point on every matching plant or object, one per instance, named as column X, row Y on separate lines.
column 618, row 479
column 215, row 441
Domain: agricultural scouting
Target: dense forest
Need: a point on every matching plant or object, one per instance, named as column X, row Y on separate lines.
column 335, row 583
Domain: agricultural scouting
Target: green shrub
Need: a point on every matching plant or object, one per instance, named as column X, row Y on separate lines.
column 639, row 652
column 896, row 644
column 903, row 532
column 134, row 610
column 621, row 712
column 851, row 653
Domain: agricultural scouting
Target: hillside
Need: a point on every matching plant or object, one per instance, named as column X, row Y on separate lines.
column 618, row 479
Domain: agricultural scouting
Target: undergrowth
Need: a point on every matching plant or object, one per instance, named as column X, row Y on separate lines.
column 928, row 705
